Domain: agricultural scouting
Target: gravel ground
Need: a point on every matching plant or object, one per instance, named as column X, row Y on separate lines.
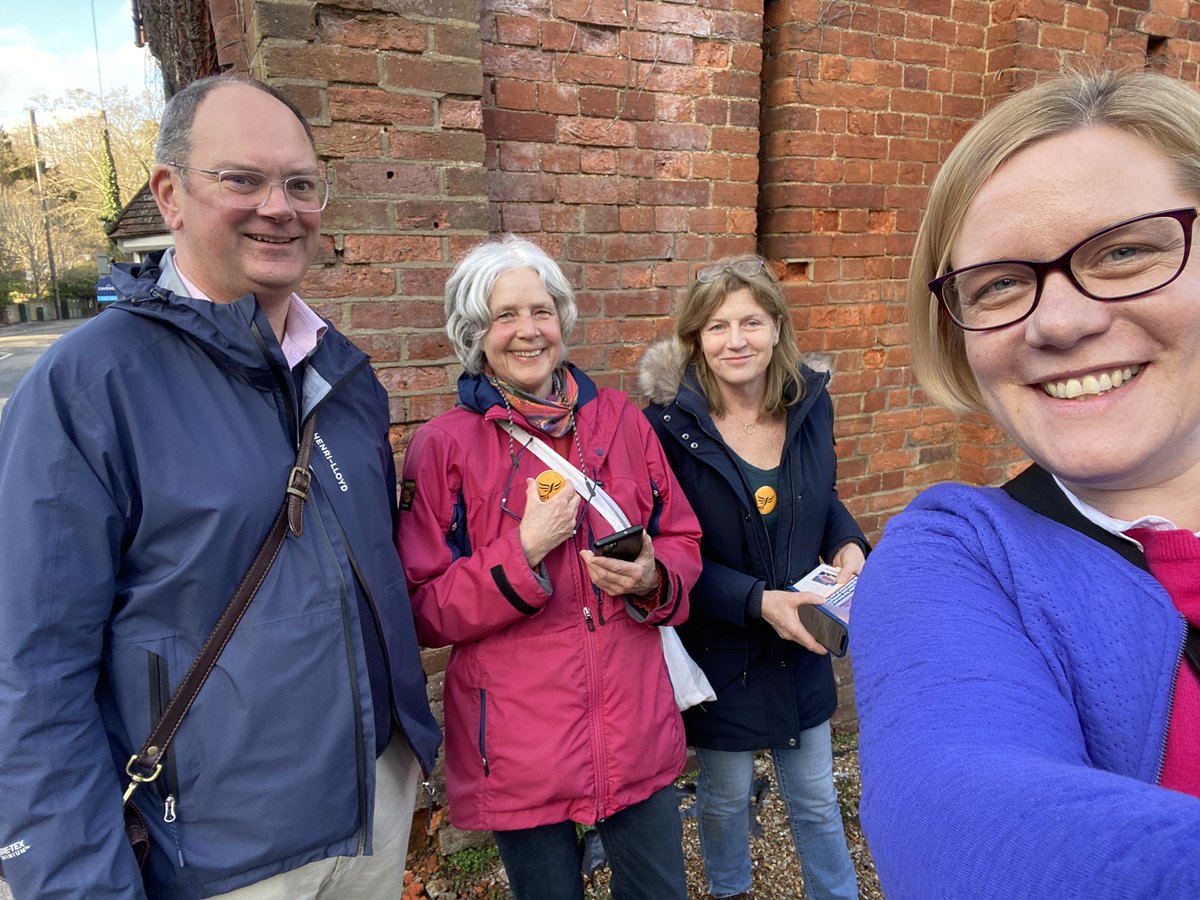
column 776, row 869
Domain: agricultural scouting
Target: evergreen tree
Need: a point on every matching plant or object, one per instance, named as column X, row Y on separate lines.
column 110, row 190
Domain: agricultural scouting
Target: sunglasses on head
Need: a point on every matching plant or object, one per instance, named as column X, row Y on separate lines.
column 746, row 268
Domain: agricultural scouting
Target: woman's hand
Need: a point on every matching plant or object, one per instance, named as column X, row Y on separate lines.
column 849, row 561
column 617, row 577
column 547, row 523
column 779, row 611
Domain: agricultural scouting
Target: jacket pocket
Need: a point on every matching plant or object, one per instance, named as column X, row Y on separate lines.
column 167, row 783
column 457, row 538
column 483, row 731
column 656, row 509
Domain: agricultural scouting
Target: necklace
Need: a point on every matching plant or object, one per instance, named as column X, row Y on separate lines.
column 748, row 427
column 571, row 429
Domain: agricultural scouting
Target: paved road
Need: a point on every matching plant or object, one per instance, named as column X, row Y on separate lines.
column 20, row 346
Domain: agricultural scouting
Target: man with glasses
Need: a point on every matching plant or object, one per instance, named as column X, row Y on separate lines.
column 142, row 462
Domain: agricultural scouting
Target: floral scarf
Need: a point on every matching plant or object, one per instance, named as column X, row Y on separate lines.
column 554, row 415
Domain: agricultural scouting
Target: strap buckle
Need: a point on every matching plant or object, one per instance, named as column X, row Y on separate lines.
column 299, row 481
column 138, row 778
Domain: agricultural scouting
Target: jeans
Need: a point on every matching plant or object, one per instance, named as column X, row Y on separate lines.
column 644, row 843
column 805, row 781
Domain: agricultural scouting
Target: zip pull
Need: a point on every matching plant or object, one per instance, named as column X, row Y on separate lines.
column 169, row 809
column 429, row 815
column 587, row 615
column 599, row 595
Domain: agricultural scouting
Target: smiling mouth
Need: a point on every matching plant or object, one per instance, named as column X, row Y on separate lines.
column 1091, row 384
column 526, row 354
column 268, row 239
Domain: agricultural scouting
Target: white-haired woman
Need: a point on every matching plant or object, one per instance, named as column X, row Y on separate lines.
column 1025, row 659
column 558, row 706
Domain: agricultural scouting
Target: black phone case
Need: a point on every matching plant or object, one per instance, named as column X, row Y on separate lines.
column 624, row 545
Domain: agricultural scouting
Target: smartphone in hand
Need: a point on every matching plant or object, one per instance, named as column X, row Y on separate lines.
column 828, row 622
column 625, row 544
column 828, row 630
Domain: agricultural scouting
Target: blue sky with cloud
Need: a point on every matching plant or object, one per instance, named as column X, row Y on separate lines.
column 47, row 48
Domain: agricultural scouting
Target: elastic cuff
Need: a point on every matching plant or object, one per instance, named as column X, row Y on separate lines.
column 754, row 602
column 542, row 576
column 639, row 607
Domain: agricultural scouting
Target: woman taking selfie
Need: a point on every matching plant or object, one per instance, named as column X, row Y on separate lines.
column 558, row 705
column 748, row 430
column 1028, row 691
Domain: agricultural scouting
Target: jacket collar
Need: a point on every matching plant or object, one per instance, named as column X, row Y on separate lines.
column 237, row 334
column 691, row 399
column 477, row 394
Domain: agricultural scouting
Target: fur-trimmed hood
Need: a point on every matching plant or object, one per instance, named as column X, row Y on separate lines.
column 660, row 371
column 662, row 367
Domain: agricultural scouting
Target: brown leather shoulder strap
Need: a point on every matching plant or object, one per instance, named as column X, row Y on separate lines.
column 146, row 765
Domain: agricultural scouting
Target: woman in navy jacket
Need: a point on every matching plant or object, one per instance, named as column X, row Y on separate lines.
column 748, row 430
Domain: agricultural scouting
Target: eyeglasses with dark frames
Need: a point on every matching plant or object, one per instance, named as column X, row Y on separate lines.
column 1127, row 260
column 241, row 189
column 747, row 268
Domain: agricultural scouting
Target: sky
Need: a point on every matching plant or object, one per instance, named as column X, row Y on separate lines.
column 47, row 47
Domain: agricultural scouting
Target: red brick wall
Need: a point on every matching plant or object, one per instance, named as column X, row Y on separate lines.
column 862, row 103
column 393, row 89
column 634, row 139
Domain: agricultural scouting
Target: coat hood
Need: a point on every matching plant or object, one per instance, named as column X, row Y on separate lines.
column 236, row 335
column 663, row 366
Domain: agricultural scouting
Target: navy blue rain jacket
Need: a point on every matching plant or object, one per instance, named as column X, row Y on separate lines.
column 768, row 689
column 142, row 461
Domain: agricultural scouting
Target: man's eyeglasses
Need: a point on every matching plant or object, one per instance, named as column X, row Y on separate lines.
column 251, row 190
column 747, row 268
column 1123, row 261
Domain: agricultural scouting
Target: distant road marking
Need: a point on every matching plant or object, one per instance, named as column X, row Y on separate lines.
column 5, row 355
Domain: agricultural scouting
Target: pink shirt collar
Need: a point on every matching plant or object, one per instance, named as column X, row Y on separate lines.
column 302, row 328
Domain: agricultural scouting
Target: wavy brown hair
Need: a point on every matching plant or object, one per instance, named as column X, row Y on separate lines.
column 702, row 302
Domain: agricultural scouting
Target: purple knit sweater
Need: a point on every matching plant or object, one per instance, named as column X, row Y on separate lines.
column 1013, row 680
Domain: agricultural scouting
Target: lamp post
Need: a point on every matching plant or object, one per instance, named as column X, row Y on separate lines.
column 59, row 304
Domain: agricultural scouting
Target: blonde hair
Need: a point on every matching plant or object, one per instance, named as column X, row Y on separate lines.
column 1158, row 109
column 702, row 302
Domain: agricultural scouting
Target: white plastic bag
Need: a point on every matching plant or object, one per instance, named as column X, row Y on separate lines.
column 688, row 680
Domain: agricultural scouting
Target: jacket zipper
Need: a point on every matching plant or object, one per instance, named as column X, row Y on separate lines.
column 792, row 503
column 355, row 690
column 168, row 786
column 1179, row 661
column 593, row 688
column 282, row 382
column 426, row 784
column 292, row 408
column 487, row 771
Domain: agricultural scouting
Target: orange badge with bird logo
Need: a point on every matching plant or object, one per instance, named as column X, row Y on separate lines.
column 765, row 498
column 548, row 484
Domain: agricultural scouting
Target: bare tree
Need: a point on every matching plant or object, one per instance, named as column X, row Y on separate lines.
column 81, row 163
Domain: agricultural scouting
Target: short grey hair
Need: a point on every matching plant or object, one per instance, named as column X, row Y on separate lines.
column 469, row 288
column 174, row 143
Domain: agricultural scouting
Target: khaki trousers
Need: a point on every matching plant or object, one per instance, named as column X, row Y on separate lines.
column 376, row 877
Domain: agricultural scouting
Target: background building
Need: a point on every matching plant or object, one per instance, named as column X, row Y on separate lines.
column 635, row 139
